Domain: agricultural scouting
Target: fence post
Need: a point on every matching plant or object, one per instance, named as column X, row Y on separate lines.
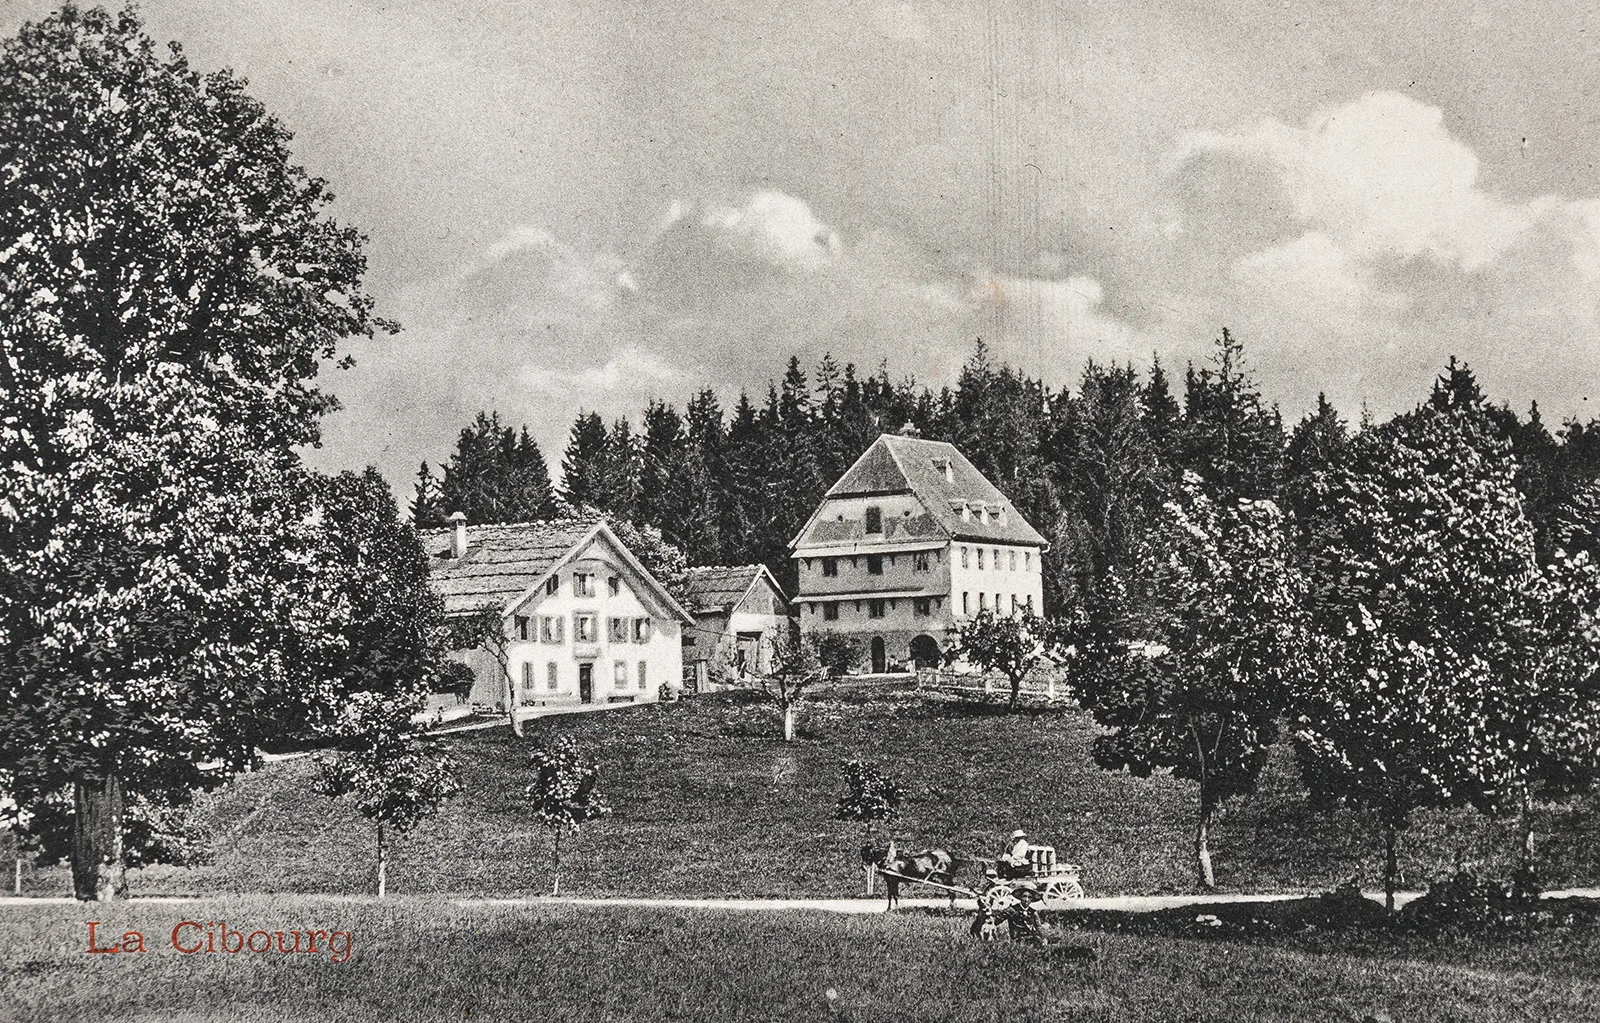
column 1050, row 688
column 988, row 684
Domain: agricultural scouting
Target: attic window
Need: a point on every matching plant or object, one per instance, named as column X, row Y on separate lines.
column 946, row 468
column 874, row 519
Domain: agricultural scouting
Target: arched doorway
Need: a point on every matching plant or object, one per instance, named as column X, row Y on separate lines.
column 880, row 660
column 925, row 651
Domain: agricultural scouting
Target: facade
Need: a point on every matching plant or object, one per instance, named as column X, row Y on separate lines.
column 910, row 542
column 582, row 623
column 739, row 610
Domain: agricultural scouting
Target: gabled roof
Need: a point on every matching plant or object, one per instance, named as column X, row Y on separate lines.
column 506, row 562
column 724, row 587
column 941, row 479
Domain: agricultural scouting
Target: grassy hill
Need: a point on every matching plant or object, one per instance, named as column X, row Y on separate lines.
column 709, row 802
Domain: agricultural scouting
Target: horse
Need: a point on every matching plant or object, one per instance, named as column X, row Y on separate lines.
column 934, row 865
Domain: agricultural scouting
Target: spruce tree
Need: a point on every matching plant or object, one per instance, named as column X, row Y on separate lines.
column 1230, row 438
column 583, row 464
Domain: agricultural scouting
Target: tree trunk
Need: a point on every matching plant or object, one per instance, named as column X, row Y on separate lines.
column 1391, row 867
column 1016, row 691
column 1527, row 826
column 383, row 863
column 1202, row 850
column 788, row 722
column 555, row 880
column 97, row 870
column 16, row 882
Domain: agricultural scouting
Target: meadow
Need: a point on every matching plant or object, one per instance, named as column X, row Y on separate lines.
column 419, row 960
column 709, row 802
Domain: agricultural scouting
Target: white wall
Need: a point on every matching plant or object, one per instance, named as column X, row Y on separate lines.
column 1024, row 581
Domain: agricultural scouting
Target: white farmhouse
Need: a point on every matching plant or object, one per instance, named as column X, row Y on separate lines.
column 581, row 622
column 909, row 543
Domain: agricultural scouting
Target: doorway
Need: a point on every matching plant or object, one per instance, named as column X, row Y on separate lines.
column 880, row 660
column 925, row 651
column 586, row 682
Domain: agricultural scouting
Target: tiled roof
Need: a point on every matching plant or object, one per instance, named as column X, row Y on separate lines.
column 502, row 560
column 720, row 587
column 896, row 464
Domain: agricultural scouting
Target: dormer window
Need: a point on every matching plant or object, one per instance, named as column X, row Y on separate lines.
column 945, row 468
column 874, row 520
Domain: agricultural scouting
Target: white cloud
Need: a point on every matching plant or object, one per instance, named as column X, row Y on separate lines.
column 1314, row 267
column 1067, row 315
column 777, row 228
column 629, row 369
column 1382, row 176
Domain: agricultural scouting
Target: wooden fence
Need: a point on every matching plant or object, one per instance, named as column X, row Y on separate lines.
column 1040, row 686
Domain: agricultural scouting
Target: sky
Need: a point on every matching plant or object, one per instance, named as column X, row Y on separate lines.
column 582, row 206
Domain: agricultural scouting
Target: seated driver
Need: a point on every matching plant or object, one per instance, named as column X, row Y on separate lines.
column 1014, row 861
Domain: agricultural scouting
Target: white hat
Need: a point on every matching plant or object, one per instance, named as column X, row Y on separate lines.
column 1019, row 833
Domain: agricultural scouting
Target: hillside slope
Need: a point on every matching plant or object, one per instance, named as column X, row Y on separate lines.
column 709, row 803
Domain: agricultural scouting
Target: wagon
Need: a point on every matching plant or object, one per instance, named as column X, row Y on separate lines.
column 1052, row 878
column 1010, row 895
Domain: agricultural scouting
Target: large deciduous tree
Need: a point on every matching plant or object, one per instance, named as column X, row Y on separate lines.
column 1426, row 619
column 170, row 282
column 1195, row 681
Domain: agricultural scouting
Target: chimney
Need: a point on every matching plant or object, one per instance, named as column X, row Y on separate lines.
column 458, row 545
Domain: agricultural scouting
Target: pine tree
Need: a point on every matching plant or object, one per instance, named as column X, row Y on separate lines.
column 583, row 465
column 496, row 474
column 425, row 510
column 1229, row 438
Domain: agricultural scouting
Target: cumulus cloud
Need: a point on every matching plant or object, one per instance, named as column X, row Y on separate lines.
column 778, row 228
column 1059, row 323
column 1382, row 176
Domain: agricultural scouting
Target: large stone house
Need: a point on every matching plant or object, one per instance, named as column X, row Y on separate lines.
column 739, row 612
column 910, row 542
column 581, row 623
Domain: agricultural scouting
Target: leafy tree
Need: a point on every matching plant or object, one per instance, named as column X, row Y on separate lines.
column 564, row 795
column 496, row 474
column 172, row 282
column 870, row 796
column 397, row 776
column 1423, row 594
column 1010, row 644
column 799, row 663
column 1196, row 685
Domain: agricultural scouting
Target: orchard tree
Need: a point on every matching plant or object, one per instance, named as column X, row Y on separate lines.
column 170, row 283
column 397, row 776
column 564, row 795
column 870, row 796
column 1424, row 612
column 1012, row 645
column 799, row 663
column 1195, row 684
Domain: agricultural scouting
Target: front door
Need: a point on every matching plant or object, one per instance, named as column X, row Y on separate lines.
column 748, row 657
column 880, row 662
column 586, row 683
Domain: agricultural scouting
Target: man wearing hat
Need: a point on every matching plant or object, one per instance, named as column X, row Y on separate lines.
column 1014, row 861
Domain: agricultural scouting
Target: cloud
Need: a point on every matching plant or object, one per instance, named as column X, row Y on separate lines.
column 628, row 370
column 1060, row 322
column 777, row 228
column 1382, row 176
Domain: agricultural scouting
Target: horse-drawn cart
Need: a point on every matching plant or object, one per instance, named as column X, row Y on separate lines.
column 1006, row 894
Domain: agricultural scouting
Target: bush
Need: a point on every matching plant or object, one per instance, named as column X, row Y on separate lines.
column 1466, row 903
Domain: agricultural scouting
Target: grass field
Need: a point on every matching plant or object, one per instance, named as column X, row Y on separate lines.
column 709, row 803
column 419, row 960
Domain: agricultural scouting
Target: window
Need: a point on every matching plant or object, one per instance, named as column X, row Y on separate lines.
column 966, row 602
column 522, row 626
column 874, row 519
column 552, row 677
column 1027, row 556
column 552, row 585
column 619, row 672
column 980, row 559
column 919, row 562
column 1014, row 603
column 874, row 564
column 964, row 558
column 830, row 611
column 527, row 676
column 552, row 629
column 919, row 607
column 641, row 630
column 874, row 609
column 583, row 628
column 582, row 584
column 617, row 630
column 613, row 585
column 997, row 559
column 997, row 603
column 983, row 601
column 830, row 566
column 644, row 672
column 1011, row 562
